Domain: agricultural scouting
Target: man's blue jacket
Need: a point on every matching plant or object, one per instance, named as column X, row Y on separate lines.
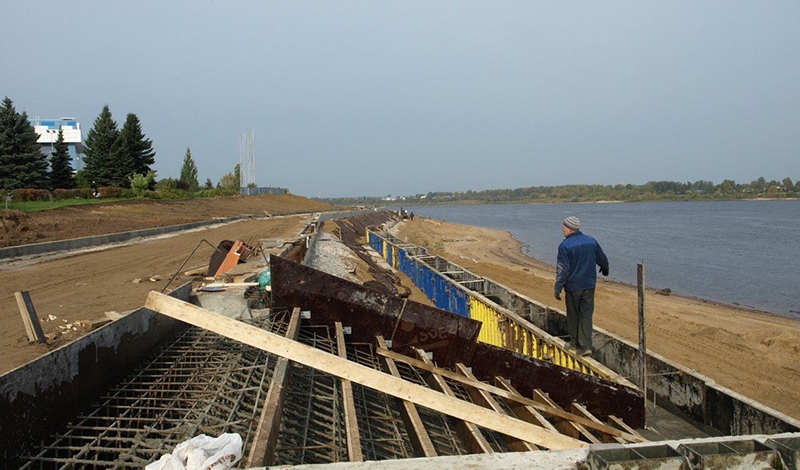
column 577, row 256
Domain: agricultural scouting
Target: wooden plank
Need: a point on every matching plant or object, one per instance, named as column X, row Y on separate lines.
column 420, row 440
column 577, row 408
column 32, row 326
column 524, row 412
column 642, row 342
column 486, row 400
column 354, row 453
column 357, row 373
column 570, row 428
column 554, row 411
column 469, row 433
column 262, row 450
column 623, row 426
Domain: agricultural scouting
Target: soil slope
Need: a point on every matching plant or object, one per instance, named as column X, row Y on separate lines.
column 96, row 219
column 754, row 353
column 84, row 286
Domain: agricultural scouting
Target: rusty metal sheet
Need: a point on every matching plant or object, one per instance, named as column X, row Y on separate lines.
column 370, row 312
column 600, row 396
column 450, row 337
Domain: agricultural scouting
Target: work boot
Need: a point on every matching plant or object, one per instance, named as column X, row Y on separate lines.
column 586, row 352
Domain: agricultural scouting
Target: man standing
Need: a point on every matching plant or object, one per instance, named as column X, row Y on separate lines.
column 577, row 256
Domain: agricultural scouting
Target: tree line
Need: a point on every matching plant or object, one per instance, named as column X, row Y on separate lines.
column 114, row 157
column 650, row 191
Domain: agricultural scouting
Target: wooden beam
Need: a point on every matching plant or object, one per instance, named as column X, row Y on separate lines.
column 354, row 453
column 570, row 428
column 262, row 450
column 486, row 400
column 623, row 426
column 420, row 440
column 580, row 409
column 366, row 376
column 540, row 405
column 32, row 326
column 524, row 412
column 469, row 433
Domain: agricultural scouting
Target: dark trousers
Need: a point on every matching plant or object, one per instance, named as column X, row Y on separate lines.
column 580, row 306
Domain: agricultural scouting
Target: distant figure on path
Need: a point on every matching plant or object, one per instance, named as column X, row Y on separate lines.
column 577, row 256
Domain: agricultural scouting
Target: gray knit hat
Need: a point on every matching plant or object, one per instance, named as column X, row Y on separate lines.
column 572, row 223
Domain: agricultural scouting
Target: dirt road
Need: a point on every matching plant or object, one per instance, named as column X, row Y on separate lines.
column 80, row 221
column 754, row 353
column 85, row 286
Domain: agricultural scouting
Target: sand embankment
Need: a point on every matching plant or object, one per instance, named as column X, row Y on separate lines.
column 754, row 353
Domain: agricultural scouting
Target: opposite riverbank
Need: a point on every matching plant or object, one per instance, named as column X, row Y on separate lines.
column 754, row 353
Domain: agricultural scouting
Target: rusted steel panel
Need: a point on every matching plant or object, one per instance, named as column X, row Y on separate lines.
column 450, row 337
column 370, row 312
column 564, row 386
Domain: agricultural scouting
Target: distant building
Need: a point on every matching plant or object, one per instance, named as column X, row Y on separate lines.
column 73, row 137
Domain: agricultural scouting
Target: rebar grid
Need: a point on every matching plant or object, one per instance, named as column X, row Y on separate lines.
column 199, row 383
column 441, row 428
column 312, row 429
column 383, row 434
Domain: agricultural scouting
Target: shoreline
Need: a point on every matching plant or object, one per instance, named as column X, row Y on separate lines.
column 602, row 201
column 751, row 351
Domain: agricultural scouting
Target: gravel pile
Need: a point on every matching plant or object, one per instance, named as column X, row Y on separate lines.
column 333, row 257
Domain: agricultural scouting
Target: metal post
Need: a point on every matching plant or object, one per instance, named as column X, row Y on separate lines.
column 642, row 344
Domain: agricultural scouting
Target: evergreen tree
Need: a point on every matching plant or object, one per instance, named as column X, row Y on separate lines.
column 61, row 175
column 106, row 161
column 138, row 149
column 188, row 179
column 22, row 163
column 237, row 175
column 209, row 183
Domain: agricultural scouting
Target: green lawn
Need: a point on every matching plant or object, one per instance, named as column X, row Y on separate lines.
column 36, row 206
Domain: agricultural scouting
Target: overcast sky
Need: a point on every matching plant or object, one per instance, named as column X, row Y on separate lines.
column 376, row 98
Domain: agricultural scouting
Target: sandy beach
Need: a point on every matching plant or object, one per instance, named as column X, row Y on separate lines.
column 754, row 353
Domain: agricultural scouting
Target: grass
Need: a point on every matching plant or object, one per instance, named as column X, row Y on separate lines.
column 36, row 206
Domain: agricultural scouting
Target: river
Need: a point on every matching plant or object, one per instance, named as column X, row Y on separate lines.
column 736, row 252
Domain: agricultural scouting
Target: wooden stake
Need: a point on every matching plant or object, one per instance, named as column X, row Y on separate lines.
column 362, row 375
column 29, row 318
column 642, row 344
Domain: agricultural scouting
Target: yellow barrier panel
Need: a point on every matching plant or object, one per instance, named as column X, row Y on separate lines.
column 504, row 332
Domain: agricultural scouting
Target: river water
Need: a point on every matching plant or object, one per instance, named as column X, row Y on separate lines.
column 736, row 252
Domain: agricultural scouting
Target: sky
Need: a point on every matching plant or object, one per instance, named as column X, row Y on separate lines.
column 374, row 98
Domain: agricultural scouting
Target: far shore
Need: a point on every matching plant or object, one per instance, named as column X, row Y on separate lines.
column 602, row 201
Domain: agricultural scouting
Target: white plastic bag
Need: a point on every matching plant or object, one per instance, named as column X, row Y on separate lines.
column 202, row 453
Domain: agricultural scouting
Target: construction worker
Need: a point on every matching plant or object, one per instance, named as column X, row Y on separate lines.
column 575, row 273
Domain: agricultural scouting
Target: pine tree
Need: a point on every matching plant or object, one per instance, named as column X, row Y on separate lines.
column 105, row 161
column 22, row 163
column 61, row 174
column 138, row 149
column 188, row 179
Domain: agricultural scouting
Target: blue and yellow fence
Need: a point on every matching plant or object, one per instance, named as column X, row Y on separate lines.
column 500, row 326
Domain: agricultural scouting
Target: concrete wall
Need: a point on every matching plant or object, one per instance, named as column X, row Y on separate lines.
column 38, row 398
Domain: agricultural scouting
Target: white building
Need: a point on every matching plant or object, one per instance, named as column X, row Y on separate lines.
column 47, row 129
